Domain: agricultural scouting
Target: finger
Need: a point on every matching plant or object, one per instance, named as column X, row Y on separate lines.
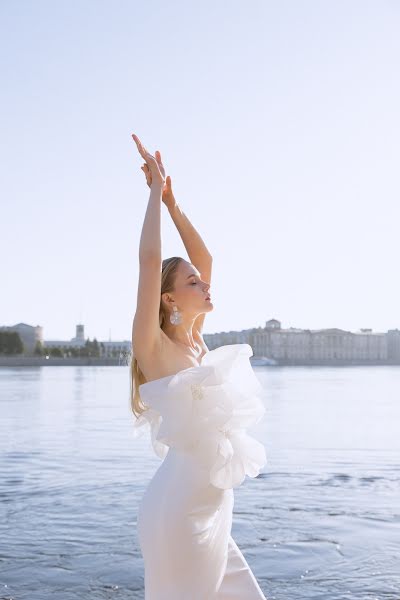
column 147, row 175
column 139, row 145
column 149, row 157
column 136, row 139
column 158, row 157
column 142, row 149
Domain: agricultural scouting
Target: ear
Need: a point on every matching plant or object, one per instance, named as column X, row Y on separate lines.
column 166, row 298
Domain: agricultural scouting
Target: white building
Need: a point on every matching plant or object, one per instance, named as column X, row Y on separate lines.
column 314, row 346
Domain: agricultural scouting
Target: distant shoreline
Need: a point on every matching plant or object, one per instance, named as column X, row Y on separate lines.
column 84, row 361
column 57, row 361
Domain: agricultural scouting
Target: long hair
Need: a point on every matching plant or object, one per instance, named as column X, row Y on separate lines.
column 168, row 275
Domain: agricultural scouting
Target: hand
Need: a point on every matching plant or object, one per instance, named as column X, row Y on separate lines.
column 154, row 164
column 167, row 194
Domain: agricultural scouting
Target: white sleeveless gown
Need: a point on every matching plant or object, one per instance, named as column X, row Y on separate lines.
column 197, row 420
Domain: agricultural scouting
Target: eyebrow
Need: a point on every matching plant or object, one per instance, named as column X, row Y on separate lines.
column 192, row 275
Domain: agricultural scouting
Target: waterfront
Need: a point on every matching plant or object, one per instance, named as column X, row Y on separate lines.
column 322, row 521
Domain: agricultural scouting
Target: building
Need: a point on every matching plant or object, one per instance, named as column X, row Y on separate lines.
column 287, row 346
column 115, row 349
column 393, row 338
column 76, row 342
column 295, row 346
column 109, row 349
column 29, row 335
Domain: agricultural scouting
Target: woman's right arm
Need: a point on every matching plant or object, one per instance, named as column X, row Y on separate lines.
column 146, row 332
column 146, row 335
column 150, row 239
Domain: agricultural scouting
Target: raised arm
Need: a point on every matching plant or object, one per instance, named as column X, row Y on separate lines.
column 197, row 251
column 146, row 333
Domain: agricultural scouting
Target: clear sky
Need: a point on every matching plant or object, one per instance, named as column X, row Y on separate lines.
column 278, row 123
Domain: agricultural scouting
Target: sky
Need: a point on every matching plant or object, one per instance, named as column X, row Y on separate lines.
column 278, row 123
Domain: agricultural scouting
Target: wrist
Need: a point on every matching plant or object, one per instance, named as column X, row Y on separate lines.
column 172, row 206
column 156, row 186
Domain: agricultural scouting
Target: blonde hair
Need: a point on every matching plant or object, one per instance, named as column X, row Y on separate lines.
column 168, row 275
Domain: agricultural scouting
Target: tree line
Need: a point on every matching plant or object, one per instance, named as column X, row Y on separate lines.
column 11, row 344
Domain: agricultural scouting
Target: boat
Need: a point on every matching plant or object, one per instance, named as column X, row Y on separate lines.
column 262, row 361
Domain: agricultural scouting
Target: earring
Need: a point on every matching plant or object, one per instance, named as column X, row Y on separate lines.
column 176, row 316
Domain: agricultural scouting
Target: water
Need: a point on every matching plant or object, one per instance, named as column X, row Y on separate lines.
column 321, row 522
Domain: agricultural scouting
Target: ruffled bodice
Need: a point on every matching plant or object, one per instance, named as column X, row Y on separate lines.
column 206, row 410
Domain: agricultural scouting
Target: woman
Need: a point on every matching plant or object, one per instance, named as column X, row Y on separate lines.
column 197, row 405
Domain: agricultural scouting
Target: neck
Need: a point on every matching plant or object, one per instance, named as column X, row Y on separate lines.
column 182, row 333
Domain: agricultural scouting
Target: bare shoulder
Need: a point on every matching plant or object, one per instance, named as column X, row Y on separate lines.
column 166, row 358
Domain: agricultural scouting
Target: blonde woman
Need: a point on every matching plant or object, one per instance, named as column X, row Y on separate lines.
column 196, row 404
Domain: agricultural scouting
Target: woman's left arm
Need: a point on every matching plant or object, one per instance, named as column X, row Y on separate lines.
column 197, row 251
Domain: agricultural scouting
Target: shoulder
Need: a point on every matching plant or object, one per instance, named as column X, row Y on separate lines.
column 149, row 356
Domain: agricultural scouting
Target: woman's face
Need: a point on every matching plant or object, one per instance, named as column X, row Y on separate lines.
column 191, row 292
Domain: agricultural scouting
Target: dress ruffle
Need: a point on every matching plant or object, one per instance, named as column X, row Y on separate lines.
column 206, row 410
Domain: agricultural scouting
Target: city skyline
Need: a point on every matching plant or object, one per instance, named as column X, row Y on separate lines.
column 80, row 331
column 271, row 344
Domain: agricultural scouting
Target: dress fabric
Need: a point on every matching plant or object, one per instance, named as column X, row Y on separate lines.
column 197, row 420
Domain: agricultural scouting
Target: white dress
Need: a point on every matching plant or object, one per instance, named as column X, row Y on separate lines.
column 197, row 419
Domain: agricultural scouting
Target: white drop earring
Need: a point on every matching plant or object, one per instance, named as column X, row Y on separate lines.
column 175, row 317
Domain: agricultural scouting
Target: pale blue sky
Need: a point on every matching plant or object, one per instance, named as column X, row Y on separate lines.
column 277, row 121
